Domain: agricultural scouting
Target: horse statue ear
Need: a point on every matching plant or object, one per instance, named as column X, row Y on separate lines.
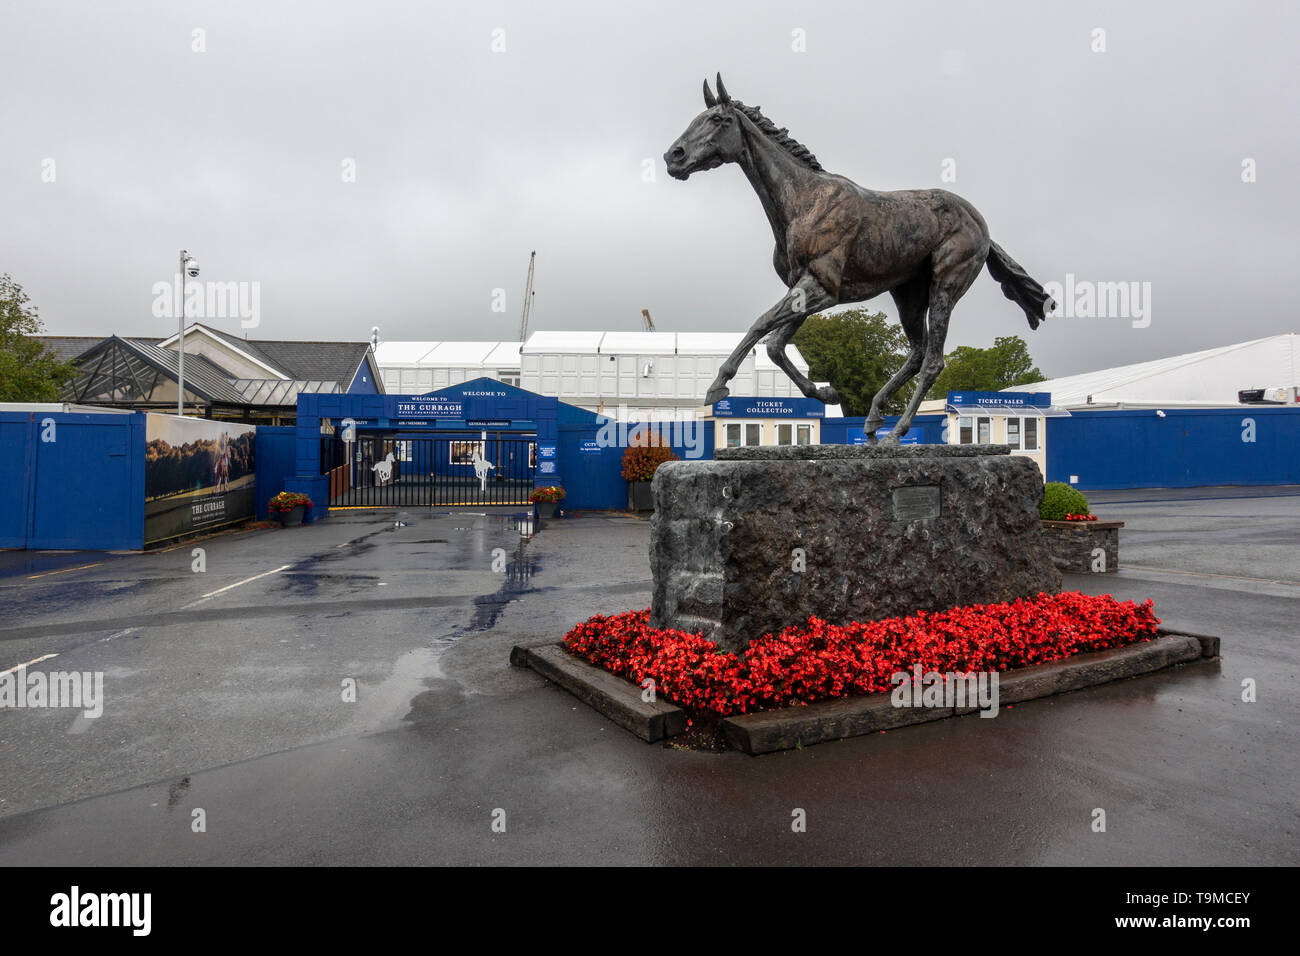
column 709, row 99
column 723, row 95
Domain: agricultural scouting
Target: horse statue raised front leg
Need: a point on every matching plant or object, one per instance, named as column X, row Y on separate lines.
column 837, row 242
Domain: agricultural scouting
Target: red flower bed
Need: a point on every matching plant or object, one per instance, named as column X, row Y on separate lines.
column 818, row 661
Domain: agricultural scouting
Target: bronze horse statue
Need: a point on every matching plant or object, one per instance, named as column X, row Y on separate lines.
column 837, row 243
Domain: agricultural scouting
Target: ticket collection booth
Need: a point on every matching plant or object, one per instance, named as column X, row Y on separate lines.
column 742, row 422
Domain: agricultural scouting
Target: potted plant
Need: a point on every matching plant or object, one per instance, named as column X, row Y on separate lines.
column 546, row 499
column 1076, row 539
column 289, row 507
column 640, row 462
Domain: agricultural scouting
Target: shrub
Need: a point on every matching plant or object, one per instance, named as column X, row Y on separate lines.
column 1059, row 500
column 641, row 461
column 549, row 493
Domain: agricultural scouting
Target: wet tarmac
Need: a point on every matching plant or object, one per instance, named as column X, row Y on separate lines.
column 225, row 691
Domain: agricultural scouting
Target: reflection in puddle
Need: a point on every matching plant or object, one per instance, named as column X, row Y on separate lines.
column 518, row 573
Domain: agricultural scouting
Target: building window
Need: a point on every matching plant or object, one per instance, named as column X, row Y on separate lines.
column 964, row 431
column 805, row 434
column 739, row 434
column 984, row 429
column 784, row 434
column 1013, row 432
column 463, row 452
column 1031, row 434
column 510, row 378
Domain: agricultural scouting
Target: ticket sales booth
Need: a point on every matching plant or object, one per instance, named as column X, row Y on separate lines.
column 1018, row 419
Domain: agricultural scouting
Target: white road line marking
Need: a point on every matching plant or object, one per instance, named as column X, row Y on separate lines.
column 28, row 664
column 212, row 594
column 45, row 574
column 1208, row 574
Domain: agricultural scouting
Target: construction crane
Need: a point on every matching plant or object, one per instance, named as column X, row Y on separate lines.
column 528, row 299
column 649, row 322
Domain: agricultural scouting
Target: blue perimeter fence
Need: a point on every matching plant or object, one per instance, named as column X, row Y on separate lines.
column 76, row 480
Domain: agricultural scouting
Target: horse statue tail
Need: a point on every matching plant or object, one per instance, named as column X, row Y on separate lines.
column 1018, row 286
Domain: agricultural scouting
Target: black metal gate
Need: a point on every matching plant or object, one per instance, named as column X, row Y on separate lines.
column 381, row 472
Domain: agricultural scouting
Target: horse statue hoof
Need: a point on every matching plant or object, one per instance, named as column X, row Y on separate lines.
column 828, row 395
column 716, row 395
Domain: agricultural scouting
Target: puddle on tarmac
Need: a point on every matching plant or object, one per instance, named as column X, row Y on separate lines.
column 518, row 575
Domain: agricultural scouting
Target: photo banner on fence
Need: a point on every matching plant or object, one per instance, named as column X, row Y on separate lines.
column 198, row 475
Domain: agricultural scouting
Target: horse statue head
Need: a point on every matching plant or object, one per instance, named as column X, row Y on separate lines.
column 718, row 136
column 713, row 138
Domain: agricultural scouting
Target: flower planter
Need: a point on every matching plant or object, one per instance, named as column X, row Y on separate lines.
column 1083, row 547
column 639, row 497
column 293, row 517
column 545, row 509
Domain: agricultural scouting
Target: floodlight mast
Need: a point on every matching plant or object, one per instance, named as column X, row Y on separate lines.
column 528, row 299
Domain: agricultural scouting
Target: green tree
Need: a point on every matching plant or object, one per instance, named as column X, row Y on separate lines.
column 28, row 371
column 1005, row 365
column 856, row 351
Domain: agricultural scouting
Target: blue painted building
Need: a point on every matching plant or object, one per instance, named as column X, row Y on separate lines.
column 1175, row 447
column 431, row 438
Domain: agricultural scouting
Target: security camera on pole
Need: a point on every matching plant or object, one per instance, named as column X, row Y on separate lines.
column 189, row 267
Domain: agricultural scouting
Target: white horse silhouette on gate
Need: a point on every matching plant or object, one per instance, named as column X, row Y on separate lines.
column 481, row 468
column 383, row 470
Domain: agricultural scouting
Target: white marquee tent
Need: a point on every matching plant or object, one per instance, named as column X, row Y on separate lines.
column 1212, row 377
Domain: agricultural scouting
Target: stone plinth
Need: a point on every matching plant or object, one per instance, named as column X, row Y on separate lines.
column 766, row 537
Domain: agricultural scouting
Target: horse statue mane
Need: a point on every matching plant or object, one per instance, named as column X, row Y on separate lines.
column 780, row 136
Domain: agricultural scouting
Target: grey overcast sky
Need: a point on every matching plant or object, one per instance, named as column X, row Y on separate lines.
column 1117, row 165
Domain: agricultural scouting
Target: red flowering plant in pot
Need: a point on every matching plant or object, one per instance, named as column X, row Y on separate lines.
column 641, row 459
column 546, row 500
column 289, row 507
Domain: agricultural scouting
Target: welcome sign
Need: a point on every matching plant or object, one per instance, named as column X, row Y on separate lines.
column 427, row 409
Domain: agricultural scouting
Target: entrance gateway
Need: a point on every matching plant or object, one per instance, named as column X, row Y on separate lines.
column 483, row 443
column 384, row 470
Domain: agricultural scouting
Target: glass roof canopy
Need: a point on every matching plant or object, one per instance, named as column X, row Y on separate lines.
column 119, row 372
column 1020, row 411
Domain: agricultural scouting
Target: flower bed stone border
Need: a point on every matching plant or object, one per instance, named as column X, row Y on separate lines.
column 792, row 727
column 616, row 698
